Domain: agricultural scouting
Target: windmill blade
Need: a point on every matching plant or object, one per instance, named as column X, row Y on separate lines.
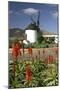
column 38, row 19
column 32, row 19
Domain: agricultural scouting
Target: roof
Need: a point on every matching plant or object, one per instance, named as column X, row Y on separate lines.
column 32, row 26
column 50, row 35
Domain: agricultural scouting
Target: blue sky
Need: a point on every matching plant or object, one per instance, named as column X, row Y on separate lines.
column 19, row 14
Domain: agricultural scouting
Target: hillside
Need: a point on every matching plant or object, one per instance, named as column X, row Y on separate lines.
column 19, row 33
column 16, row 32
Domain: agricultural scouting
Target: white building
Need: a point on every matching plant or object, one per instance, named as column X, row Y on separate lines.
column 31, row 33
column 52, row 35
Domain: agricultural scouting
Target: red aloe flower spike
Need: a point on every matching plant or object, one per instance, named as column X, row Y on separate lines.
column 14, row 55
column 18, row 46
column 30, row 51
column 50, row 59
column 16, row 50
column 28, row 73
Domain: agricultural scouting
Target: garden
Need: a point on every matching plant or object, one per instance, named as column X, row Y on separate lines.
column 33, row 68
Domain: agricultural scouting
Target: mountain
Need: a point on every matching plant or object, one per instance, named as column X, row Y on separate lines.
column 48, row 33
column 16, row 32
column 19, row 33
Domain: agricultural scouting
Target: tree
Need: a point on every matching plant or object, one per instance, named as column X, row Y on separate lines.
column 40, row 38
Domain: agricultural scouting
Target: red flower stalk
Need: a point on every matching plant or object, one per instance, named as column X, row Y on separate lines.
column 50, row 59
column 30, row 51
column 15, row 53
column 15, row 50
column 18, row 46
column 28, row 73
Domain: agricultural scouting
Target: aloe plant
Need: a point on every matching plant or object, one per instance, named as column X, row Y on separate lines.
column 42, row 74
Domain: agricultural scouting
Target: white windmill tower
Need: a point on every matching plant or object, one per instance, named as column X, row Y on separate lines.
column 32, row 29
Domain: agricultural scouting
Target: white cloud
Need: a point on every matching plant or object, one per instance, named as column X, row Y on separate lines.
column 27, row 11
column 55, row 14
column 14, row 12
column 30, row 11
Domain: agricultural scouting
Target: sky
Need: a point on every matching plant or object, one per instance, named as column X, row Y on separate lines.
column 19, row 14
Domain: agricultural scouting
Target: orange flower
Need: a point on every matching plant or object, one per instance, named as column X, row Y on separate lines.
column 16, row 50
column 15, row 53
column 28, row 73
column 50, row 58
column 18, row 46
column 30, row 51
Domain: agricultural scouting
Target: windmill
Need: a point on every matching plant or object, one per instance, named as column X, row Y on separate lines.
column 32, row 29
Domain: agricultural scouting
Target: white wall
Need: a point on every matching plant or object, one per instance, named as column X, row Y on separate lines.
column 31, row 35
